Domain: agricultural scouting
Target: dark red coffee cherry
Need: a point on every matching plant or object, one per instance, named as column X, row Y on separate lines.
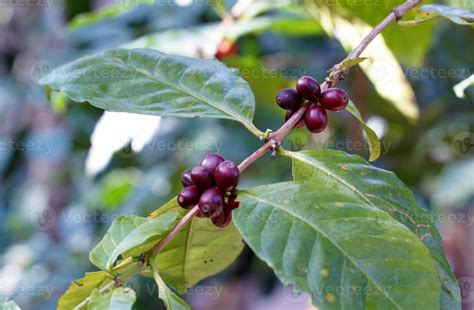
column 186, row 178
column 225, row 49
column 316, row 118
column 223, row 218
column 202, row 177
column 289, row 114
column 189, row 197
column 232, row 202
column 334, row 99
column 211, row 201
column 227, row 176
column 308, row 88
column 211, row 161
column 288, row 99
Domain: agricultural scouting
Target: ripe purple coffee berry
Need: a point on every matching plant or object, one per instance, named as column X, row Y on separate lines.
column 288, row 99
column 202, row 177
column 211, row 161
column 189, row 196
column 289, row 114
column 227, row 176
column 211, row 200
column 199, row 214
column 232, row 202
column 308, row 88
column 186, row 178
column 223, row 218
column 316, row 118
column 334, row 99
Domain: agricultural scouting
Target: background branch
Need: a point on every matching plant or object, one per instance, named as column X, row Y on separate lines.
column 397, row 13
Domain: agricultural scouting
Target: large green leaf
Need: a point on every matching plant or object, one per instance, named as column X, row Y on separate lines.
column 171, row 300
column 80, row 290
column 121, row 298
column 346, row 253
column 381, row 189
column 130, row 236
column 371, row 136
column 6, row 304
column 434, row 11
column 145, row 81
column 200, row 250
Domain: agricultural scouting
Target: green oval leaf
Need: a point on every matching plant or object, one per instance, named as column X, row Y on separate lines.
column 381, row 189
column 200, row 250
column 171, row 300
column 346, row 253
column 130, row 236
column 371, row 136
column 347, row 64
column 434, row 11
column 145, row 81
column 121, row 298
column 79, row 290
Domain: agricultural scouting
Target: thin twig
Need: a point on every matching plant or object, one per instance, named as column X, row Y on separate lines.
column 396, row 14
column 278, row 136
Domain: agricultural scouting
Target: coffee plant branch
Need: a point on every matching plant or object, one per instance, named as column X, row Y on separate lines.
column 275, row 139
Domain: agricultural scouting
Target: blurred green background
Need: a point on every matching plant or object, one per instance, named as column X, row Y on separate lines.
column 68, row 169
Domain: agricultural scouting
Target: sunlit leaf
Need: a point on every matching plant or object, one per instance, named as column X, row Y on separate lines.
column 79, row 290
column 382, row 68
column 396, row 38
column 371, row 136
column 121, row 298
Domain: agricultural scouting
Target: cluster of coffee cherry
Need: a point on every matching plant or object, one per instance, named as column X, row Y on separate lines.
column 315, row 117
column 211, row 186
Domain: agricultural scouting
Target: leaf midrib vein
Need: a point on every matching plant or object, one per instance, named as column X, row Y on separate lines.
column 333, row 175
column 322, row 233
column 186, row 91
